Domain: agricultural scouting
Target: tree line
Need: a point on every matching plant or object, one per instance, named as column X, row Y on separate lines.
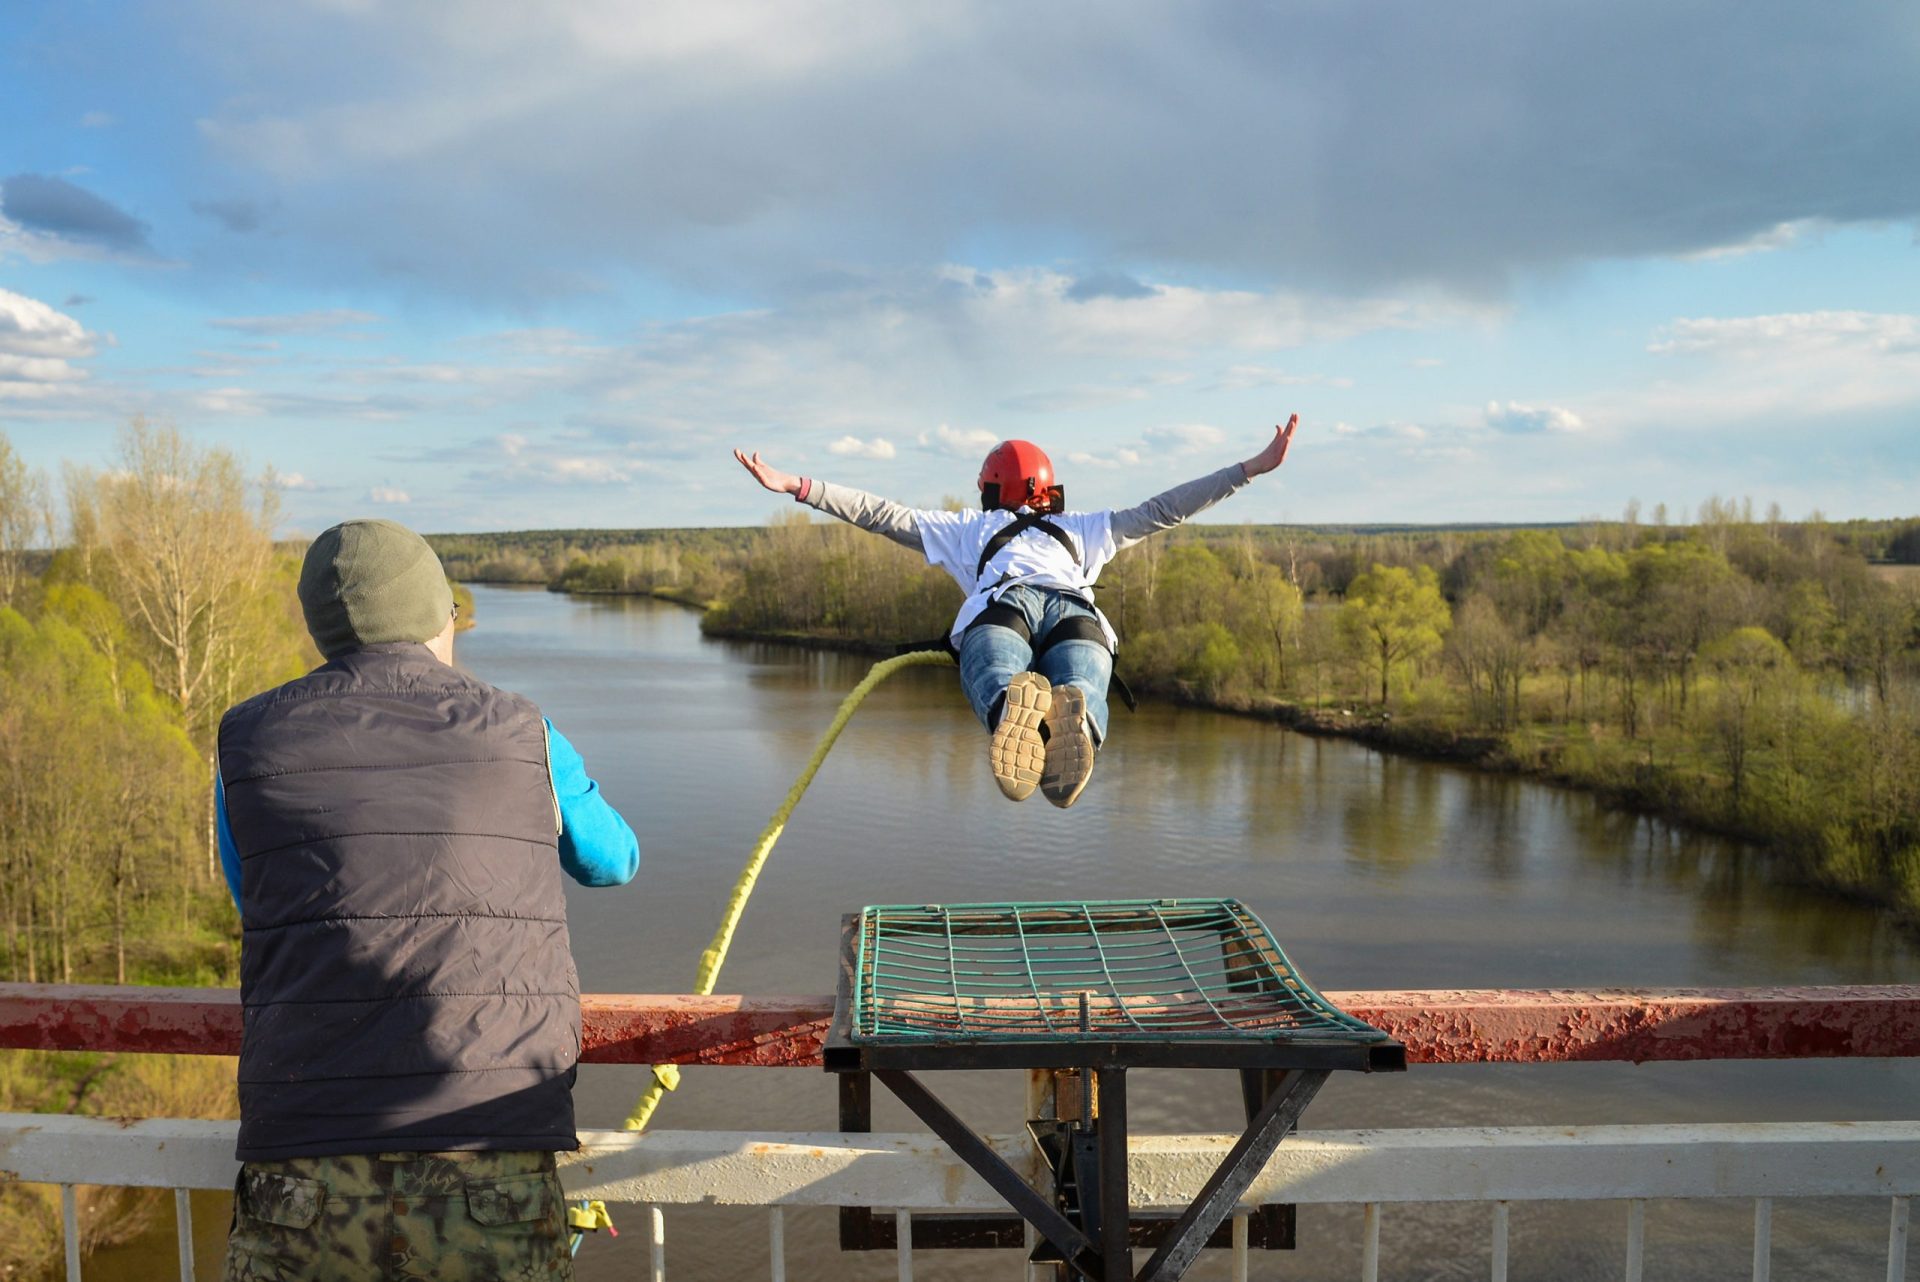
column 1741, row 672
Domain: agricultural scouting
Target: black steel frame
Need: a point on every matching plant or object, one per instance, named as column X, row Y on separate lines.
column 1278, row 1079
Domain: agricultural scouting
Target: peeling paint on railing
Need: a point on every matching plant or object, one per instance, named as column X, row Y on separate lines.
column 1452, row 1026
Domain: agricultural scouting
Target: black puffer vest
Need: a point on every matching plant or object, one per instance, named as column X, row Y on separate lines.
column 404, row 965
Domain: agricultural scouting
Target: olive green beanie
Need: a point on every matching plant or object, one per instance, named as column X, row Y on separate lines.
column 369, row 581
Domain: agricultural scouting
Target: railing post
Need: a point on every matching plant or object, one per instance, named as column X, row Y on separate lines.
column 1636, row 1237
column 183, row 1225
column 1241, row 1264
column 1370, row 1243
column 1897, row 1242
column 1762, row 1239
column 777, row 1243
column 70, row 1227
column 903, row 1242
column 657, row 1232
column 1499, row 1242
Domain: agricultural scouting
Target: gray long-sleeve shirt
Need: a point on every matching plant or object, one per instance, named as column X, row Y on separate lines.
column 954, row 540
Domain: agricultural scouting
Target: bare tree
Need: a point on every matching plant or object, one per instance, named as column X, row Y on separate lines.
column 23, row 514
column 176, row 541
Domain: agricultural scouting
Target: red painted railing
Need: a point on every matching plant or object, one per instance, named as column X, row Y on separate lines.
column 1459, row 1026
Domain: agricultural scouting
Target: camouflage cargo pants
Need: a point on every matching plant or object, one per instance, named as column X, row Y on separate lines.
column 465, row 1217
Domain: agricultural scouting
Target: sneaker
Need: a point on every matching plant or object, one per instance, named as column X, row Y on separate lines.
column 1069, row 760
column 1016, row 751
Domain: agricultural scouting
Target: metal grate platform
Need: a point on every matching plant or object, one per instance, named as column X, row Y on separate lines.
column 1157, row 969
column 1102, row 988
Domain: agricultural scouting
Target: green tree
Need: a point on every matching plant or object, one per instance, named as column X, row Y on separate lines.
column 1746, row 660
column 1395, row 616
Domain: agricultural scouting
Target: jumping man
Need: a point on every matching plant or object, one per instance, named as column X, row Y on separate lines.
column 1035, row 652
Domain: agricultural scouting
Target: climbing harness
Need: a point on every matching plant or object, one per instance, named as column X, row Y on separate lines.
column 667, row 1076
column 1014, row 529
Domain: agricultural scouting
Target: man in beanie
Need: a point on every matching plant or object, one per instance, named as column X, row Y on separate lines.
column 394, row 831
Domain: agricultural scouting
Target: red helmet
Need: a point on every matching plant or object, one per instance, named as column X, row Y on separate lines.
column 1019, row 474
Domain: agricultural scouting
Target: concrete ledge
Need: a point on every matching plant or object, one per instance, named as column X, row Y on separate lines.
column 1798, row 1159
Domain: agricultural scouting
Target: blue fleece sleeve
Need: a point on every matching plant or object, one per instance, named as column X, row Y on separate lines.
column 229, row 853
column 597, row 848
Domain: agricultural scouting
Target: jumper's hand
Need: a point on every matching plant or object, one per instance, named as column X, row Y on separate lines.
column 1276, row 452
column 767, row 474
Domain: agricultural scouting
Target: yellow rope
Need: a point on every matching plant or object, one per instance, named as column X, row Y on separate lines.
column 667, row 1076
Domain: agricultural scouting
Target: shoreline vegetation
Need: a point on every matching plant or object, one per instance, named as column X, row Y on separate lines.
column 1740, row 674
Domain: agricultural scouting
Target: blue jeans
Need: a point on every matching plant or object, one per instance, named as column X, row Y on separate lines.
column 990, row 655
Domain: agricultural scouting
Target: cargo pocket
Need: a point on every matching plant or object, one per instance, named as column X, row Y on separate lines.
column 274, row 1219
column 282, row 1200
column 513, row 1199
column 520, row 1221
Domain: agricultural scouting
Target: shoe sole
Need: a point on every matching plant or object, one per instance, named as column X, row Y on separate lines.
column 1069, row 760
column 1016, row 752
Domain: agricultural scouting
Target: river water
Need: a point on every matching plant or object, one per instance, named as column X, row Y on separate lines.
column 1373, row 871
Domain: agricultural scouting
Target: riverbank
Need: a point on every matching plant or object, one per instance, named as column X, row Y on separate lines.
column 1662, row 777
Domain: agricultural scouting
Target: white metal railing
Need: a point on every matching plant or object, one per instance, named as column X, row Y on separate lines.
column 911, row 1173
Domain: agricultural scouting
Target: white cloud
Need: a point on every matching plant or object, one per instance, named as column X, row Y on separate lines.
column 853, row 447
column 1184, row 438
column 38, row 349
column 971, row 443
column 1121, row 457
column 96, row 120
column 592, row 471
column 1067, row 399
column 1241, row 377
column 295, row 481
column 1779, row 236
column 1384, row 431
column 314, row 322
column 1776, row 367
column 1792, row 335
column 1511, row 416
column 388, row 494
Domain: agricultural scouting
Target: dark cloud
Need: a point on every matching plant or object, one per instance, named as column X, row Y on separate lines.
column 1318, row 142
column 239, row 216
column 55, row 207
column 77, row 300
column 1108, row 284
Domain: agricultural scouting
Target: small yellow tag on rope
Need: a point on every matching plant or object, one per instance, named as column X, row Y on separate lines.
column 590, row 1217
column 667, row 1076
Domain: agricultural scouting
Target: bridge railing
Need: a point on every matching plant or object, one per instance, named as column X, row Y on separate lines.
column 915, row 1174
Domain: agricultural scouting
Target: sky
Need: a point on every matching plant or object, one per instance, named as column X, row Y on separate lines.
column 483, row 266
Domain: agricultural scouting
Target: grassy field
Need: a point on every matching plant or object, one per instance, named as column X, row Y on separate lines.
column 1904, row 575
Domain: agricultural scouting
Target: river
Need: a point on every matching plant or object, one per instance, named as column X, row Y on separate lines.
column 1373, row 871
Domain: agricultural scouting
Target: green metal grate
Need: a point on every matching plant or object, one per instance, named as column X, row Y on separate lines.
column 1144, row 969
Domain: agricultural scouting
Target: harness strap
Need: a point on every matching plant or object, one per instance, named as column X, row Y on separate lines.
column 1082, row 627
column 1014, row 529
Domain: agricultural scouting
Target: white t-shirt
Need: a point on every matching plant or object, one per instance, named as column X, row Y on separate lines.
column 954, row 540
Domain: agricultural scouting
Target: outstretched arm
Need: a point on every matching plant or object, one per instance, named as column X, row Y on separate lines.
column 1164, row 511
column 856, row 507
